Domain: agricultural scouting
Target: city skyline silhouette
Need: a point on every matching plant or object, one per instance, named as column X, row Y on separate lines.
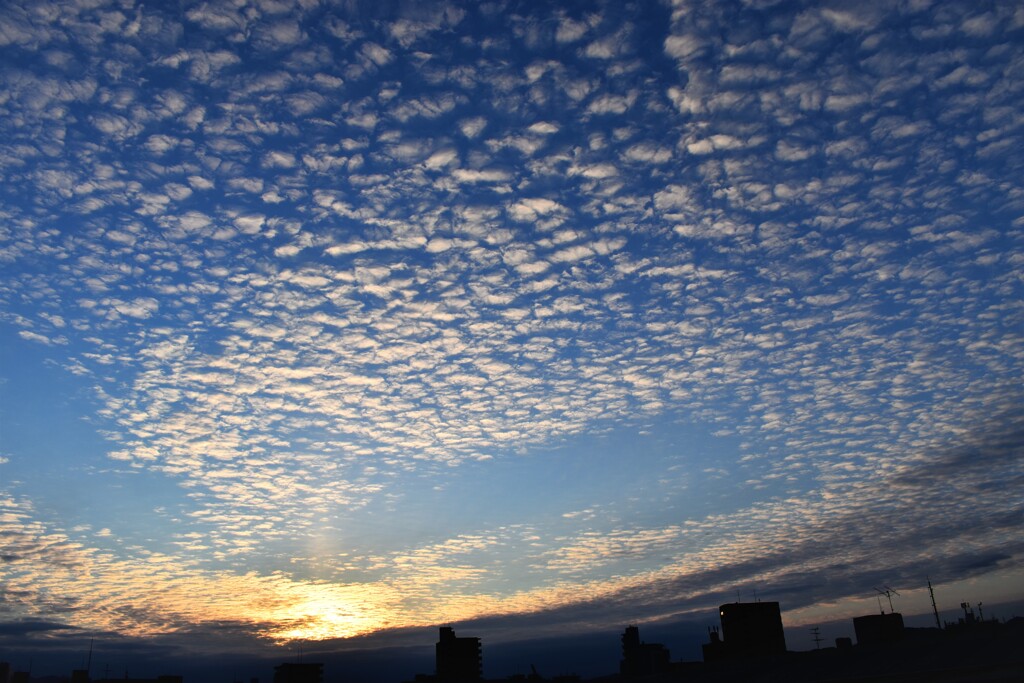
column 746, row 644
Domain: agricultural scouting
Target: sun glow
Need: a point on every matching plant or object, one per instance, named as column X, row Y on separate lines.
column 320, row 621
column 325, row 611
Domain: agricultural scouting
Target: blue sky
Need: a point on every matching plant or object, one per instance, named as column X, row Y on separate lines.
column 325, row 319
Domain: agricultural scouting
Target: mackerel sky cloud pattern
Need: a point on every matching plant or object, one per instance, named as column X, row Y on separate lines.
column 326, row 318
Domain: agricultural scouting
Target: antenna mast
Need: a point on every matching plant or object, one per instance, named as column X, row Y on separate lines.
column 888, row 593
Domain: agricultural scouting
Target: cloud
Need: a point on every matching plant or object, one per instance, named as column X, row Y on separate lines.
column 605, row 48
column 441, row 158
column 683, row 46
column 472, row 127
column 278, row 35
column 790, row 151
column 845, row 20
column 570, row 30
column 674, row 197
column 279, row 159
column 22, row 628
column 532, row 209
column 376, row 54
column 648, row 153
column 611, row 104
column 216, row 16
column 321, row 273
column 467, row 175
column 543, row 128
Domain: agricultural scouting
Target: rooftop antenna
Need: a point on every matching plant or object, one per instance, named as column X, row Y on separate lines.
column 817, row 638
column 981, row 615
column 888, row 593
column 935, row 610
column 88, row 663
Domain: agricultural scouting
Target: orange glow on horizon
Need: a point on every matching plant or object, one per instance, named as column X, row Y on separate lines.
column 319, row 619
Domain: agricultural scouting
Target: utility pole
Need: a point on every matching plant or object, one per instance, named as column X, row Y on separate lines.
column 935, row 610
column 817, row 638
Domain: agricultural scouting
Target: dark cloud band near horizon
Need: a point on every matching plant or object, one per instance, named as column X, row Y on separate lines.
column 335, row 320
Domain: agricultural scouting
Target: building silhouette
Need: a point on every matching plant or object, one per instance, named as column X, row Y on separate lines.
column 641, row 659
column 878, row 629
column 714, row 649
column 749, row 646
column 749, row 629
column 299, row 672
column 458, row 659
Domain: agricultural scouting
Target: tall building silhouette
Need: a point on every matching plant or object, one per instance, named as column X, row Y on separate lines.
column 752, row 629
column 458, row 659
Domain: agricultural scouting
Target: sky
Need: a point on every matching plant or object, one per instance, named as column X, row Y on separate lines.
column 329, row 322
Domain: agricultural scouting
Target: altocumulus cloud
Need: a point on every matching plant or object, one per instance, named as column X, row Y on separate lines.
column 322, row 270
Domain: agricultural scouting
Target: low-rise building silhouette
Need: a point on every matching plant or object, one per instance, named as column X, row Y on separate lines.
column 299, row 672
column 878, row 629
column 641, row 659
column 714, row 649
